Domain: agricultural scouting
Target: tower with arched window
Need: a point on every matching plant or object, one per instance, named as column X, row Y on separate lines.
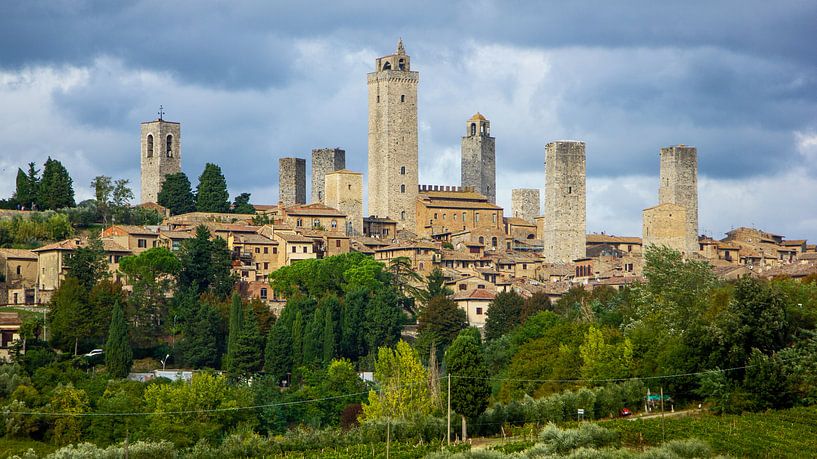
column 393, row 165
column 479, row 157
column 161, row 154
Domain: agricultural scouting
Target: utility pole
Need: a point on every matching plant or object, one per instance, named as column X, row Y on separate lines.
column 663, row 436
column 449, row 409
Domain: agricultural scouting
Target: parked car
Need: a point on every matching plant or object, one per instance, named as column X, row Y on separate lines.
column 624, row 412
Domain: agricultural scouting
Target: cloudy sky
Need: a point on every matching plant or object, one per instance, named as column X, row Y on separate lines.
column 253, row 81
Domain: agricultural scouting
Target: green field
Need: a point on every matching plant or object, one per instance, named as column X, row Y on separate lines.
column 785, row 433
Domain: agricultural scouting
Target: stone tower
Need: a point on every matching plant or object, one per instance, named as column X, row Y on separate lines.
column 344, row 192
column 324, row 161
column 679, row 185
column 479, row 157
column 565, row 202
column 393, row 179
column 292, row 181
column 665, row 224
column 161, row 154
column 525, row 203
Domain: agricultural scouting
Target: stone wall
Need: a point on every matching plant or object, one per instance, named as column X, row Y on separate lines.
column 161, row 154
column 478, row 152
column 324, row 161
column 392, row 157
column 292, row 181
column 525, row 203
column 679, row 185
column 344, row 192
column 565, row 201
column 664, row 225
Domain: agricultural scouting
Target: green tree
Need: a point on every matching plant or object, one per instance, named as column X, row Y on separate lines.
column 328, row 338
column 211, row 193
column 404, row 391
column 205, row 264
column 87, row 264
column 236, row 325
column 103, row 187
column 69, row 315
column 435, row 286
column 176, row 194
column 199, row 347
column 71, row 401
column 247, row 356
column 27, row 192
column 439, row 322
column 56, row 187
column 278, row 353
column 313, row 339
column 241, row 204
column 118, row 353
column 405, row 279
column 298, row 340
column 465, row 363
column 504, row 314
column 382, row 319
column 601, row 360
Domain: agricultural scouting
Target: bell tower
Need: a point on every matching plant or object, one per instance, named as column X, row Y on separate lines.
column 479, row 157
column 161, row 154
column 393, row 164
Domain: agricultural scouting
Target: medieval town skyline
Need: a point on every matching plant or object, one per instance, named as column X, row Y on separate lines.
column 744, row 104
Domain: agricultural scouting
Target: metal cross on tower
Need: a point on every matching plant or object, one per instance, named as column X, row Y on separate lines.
column 161, row 112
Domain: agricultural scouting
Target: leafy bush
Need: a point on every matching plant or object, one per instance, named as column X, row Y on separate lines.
column 559, row 441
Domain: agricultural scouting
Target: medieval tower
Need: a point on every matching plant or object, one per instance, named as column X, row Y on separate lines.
column 393, row 175
column 161, row 154
column 292, row 181
column 525, row 203
column 565, row 202
column 344, row 192
column 324, row 161
column 679, row 185
column 479, row 157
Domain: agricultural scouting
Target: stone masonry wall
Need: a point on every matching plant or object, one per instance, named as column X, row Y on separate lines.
column 525, row 203
column 565, row 201
column 292, row 181
column 324, row 161
column 664, row 225
column 478, row 163
column 392, row 157
column 344, row 192
column 679, row 185
column 156, row 165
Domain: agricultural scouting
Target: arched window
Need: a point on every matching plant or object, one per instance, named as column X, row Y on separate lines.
column 386, row 66
column 473, row 128
column 402, row 170
column 422, row 266
column 464, row 215
column 402, row 188
column 19, row 270
column 481, row 240
column 334, row 223
column 402, row 97
column 316, row 223
column 493, row 241
column 169, row 146
column 401, row 64
column 402, row 215
column 299, row 222
column 150, row 146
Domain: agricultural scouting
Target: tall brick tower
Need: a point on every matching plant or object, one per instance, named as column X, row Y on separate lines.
column 292, row 181
column 565, row 201
column 325, row 161
column 393, row 176
column 161, row 154
column 679, row 185
column 479, row 157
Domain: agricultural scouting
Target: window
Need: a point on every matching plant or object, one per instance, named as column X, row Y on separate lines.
column 386, row 66
column 402, row 170
column 481, row 240
column 334, row 223
column 463, row 286
column 629, row 247
column 378, row 99
column 142, row 243
column 402, row 98
column 316, row 223
column 443, row 215
column 473, row 128
column 524, row 266
column 422, row 266
column 402, row 188
column 493, row 241
column 464, row 215
column 481, row 286
column 402, row 215
column 294, row 249
column 569, row 190
column 337, row 242
column 306, row 249
column 150, row 146
column 19, row 270
column 263, row 293
column 258, row 250
column 275, row 250
column 266, row 265
column 320, row 195
column 455, row 216
column 266, row 249
column 479, row 311
column 401, row 64
column 299, row 222
column 15, row 298
column 435, row 216
column 476, row 217
column 169, row 146
column 493, row 218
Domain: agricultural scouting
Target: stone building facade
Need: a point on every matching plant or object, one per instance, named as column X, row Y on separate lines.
column 451, row 209
column 344, row 192
column 478, row 153
column 161, row 154
column 292, row 181
column 679, row 185
column 393, row 164
column 525, row 203
column 324, row 161
column 665, row 225
column 565, row 201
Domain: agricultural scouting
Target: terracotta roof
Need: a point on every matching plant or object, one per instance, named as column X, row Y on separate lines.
column 516, row 221
column 231, row 227
column 444, row 199
column 475, row 294
column 315, row 209
column 794, row 242
column 408, row 245
column 370, row 241
column 808, row 256
column 254, row 239
column 265, row 206
column 373, row 219
column 322, row 234
column 130, row 229
column 478, row 117
column 10, row 318
column 177, row 234
column 610, row 239
column 344, row 171
column 18, row 253
column 293, row 238
column 72, row 244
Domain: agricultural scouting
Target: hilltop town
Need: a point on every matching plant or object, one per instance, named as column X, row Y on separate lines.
column 481, row 248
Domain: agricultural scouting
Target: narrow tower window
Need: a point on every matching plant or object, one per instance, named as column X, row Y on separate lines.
column 473, row 128
column 387, row 66
column 150, row 146
column 402, row 215
column 402, row 188
column 402, row 97
column 169, row 146
column 401, row 64
column 403, row 170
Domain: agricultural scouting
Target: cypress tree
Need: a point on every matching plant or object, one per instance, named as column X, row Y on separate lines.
column 56, row 188
column 177, row 194
column 241, row 204
column 28, row 184
column 246, row 357
column 465, row 360
column 118, row 353
column 297, row 340
column 199, row 348
column 328, row 337
column 211, row 194
column 278, row 353
column 313, row 344
column 235, row 326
